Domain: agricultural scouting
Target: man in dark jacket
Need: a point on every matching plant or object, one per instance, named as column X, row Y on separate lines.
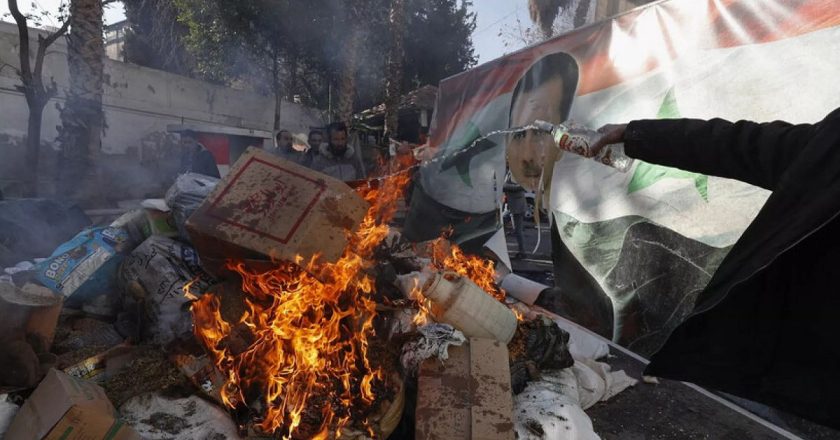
column 195, row 158
column 765, row 327
column 337, row 158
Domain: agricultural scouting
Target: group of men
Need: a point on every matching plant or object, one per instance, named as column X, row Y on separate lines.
column 333, row 156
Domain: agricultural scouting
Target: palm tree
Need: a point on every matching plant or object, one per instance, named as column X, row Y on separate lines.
column 581, row 11
column 82, row 118
column 347, row 84
column 544, row 12
column 396, row 25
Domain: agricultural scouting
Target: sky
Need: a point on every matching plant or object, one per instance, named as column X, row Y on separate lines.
column 493, row 17
column 113, row 12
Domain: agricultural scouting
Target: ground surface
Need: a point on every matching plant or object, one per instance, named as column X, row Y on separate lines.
column 669, row 410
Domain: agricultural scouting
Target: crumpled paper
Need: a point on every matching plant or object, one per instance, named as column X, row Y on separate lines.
column 434, row 341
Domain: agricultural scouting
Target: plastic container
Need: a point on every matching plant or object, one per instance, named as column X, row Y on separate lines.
column 579, row 140
column 457, row 301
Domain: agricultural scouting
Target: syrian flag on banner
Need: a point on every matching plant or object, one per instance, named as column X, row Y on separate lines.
column 648, row 240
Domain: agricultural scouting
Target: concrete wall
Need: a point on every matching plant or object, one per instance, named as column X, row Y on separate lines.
column 138, row 102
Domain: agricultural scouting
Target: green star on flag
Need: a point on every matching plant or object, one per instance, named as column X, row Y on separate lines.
column 462, row 160
column 647, row 174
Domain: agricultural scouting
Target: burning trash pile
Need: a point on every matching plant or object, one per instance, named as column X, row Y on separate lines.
column 290, row 303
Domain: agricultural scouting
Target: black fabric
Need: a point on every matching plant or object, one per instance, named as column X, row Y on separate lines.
column 763, row 328
column 199, row 160
column 576, row 294
column 427, row 219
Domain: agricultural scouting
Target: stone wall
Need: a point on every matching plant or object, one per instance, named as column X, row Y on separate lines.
column 138, row 103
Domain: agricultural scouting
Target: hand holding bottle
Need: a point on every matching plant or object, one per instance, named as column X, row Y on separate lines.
column 606, row 148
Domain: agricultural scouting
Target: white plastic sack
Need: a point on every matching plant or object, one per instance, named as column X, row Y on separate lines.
column 548, row 409
column 23, row 266
column 186, row 195
column 156, row 417
column 597, row 383
column 160, row 268
column 8, row 410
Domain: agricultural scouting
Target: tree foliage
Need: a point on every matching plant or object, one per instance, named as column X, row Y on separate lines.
column 438, row 41
column 302, row 49
column 155, row 37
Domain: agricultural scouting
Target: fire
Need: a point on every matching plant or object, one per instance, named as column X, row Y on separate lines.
column 306, row 334
column 447, row 256
column 299, row 354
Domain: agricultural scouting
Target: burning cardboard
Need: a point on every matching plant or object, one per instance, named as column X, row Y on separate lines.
column 269, row 207
column 310, row 364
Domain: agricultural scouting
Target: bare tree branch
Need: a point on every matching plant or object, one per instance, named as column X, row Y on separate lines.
column 44, row 43
column 23, row 31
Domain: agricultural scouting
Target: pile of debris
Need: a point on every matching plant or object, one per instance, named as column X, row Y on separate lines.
column 280, row 303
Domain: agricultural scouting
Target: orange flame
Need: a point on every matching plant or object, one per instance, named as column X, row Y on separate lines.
column 448, row 256
column 309, row 335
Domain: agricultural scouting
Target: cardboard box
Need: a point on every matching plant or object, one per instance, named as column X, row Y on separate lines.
column 67, row 408
column 269, row 207
column 468, row 396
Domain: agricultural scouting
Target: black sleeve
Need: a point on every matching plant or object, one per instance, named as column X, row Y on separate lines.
column 751, row 152
column 206, row 164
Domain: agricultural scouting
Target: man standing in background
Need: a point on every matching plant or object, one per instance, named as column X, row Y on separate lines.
column 337, row 158
column 286, row 150
column 195, row 158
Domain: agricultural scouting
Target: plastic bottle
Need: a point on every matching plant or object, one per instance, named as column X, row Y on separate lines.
column 579, row 140
column 457, row 301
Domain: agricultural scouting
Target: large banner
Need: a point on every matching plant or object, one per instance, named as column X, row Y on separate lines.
column 648, row 239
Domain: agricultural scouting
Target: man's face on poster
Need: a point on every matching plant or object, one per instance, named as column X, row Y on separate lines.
column 526, row 150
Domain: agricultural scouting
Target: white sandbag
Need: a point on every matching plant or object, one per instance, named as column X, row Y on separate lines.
column 8, row 410
column 155, row 275
column 550, row 406
column 597, row 383
column 156, row 417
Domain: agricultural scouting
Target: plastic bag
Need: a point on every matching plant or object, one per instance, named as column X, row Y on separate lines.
column 154, row 276
column 86, row 265
column 186, row 195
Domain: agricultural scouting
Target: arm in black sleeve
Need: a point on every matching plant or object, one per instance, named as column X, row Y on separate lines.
column 751, row 152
